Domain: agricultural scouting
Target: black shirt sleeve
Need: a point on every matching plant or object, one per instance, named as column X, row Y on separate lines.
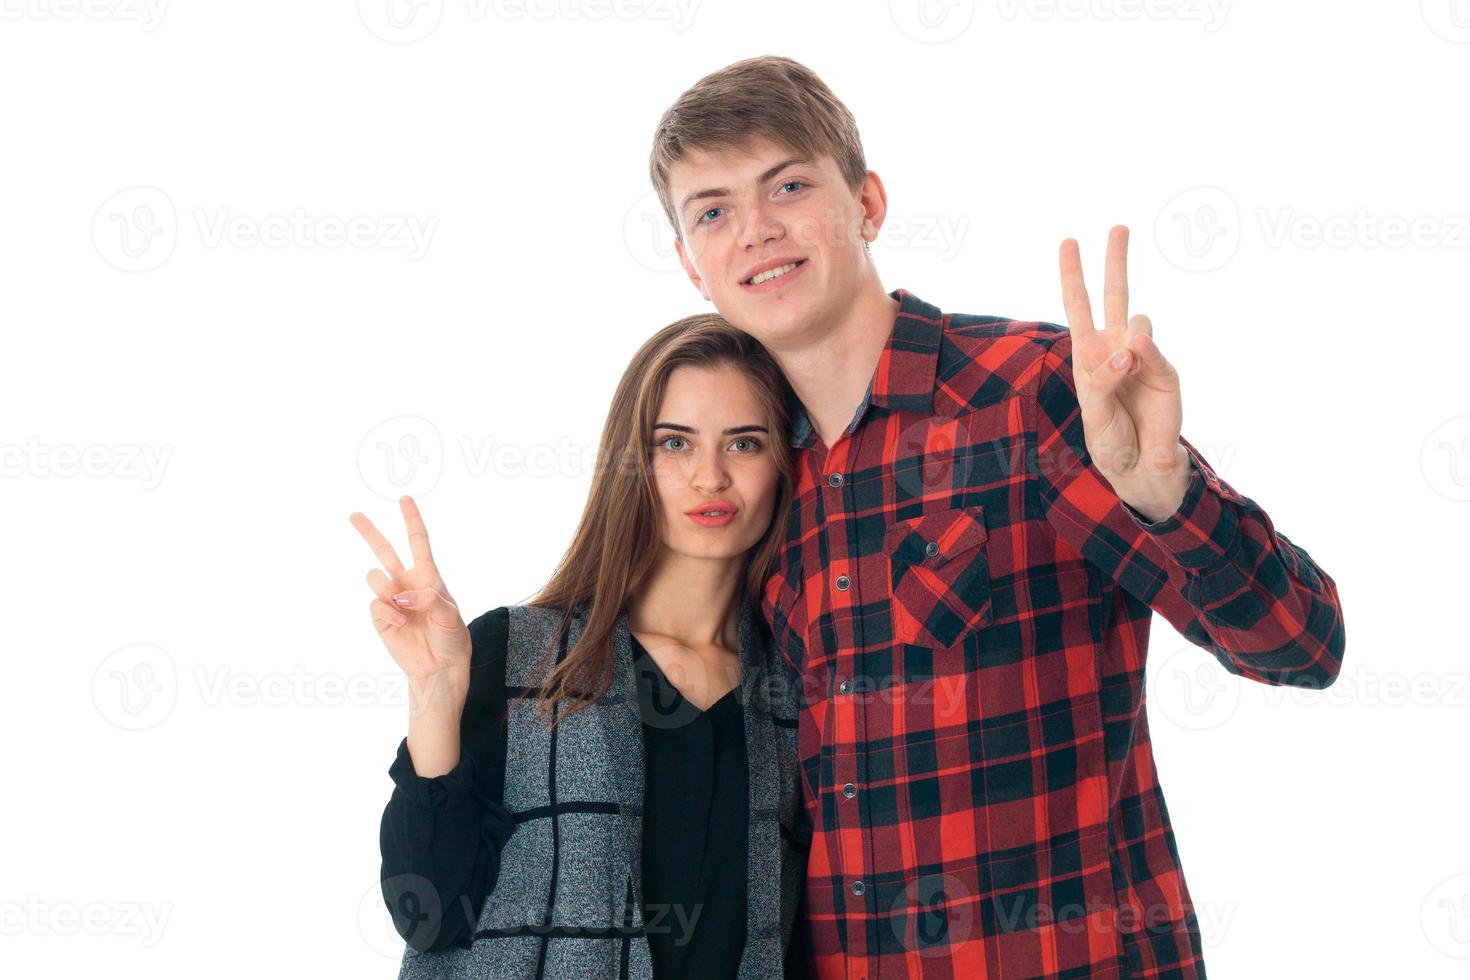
column 441, row 837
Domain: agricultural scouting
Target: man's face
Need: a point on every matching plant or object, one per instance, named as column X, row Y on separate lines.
column 744, row 211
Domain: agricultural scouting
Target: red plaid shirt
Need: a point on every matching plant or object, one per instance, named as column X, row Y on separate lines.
column 967, row 603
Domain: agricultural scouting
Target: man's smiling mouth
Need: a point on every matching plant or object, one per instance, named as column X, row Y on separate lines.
column 775, row 273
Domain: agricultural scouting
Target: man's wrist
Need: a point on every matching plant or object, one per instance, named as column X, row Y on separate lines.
column 1160, row 498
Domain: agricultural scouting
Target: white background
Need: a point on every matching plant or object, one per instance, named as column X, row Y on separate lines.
column 198, row 716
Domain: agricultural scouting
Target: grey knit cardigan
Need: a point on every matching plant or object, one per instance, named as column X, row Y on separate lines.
column 568, row 900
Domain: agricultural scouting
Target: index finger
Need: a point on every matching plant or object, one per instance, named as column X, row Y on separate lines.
column 418, row 535
column 1074, row 291
column 386, row 555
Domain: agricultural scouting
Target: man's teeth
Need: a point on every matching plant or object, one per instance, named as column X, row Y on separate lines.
column 780, row 270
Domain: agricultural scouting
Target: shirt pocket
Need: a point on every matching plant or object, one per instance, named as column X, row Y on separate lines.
column 940, row 577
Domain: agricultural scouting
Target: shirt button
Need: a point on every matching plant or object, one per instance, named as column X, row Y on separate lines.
column 842, row 583
column 931, row 549
column 849, row 790
column 845, row 687
column 858, row 887
column 835, row 480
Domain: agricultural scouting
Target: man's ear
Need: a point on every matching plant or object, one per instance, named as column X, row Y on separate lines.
column 874, row 200
column 690, row 271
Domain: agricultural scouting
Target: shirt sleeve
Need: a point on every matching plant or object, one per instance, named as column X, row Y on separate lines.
column 1216, row 569
column 441, row 837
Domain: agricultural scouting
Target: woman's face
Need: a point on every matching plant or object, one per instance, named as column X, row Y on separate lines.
column 711, row 451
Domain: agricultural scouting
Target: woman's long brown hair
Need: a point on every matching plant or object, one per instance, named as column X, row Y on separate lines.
column 618, row 540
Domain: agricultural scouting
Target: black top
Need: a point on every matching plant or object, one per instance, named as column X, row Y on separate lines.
column 441, row 837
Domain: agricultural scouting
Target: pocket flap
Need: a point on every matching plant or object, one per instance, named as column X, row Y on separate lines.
column 933, row 539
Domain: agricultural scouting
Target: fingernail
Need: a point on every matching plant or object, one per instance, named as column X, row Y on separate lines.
column 1120, row 360
column 403, row 598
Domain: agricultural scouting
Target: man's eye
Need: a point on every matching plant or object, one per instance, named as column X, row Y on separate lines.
column 791, row 183
column 706, row 215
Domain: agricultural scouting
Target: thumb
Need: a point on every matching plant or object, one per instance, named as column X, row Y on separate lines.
column 1105, row 379
column 441, row 610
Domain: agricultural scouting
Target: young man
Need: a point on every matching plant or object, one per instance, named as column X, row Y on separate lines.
column 988, row 513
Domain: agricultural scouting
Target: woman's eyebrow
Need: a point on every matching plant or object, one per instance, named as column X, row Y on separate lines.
column 728, row 432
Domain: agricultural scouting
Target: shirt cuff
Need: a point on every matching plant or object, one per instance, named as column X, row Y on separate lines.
column 1202, row 532
column 434, row 792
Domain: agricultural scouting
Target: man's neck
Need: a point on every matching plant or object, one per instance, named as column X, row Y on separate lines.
column 830, row 373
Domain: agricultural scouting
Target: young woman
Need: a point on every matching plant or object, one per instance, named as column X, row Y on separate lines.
column 602, row 782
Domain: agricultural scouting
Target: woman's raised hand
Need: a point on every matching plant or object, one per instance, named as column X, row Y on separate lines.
column 412, row 610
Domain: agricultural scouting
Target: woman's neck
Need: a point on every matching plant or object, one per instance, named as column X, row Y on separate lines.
column 692, row 600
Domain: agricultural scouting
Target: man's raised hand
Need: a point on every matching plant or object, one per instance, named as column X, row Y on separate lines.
column 1129, row 394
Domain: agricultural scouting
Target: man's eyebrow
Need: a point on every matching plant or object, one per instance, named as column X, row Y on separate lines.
column 722, row 191
column 737, row 430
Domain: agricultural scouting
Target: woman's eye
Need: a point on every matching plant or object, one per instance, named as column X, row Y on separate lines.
column 665, row 443
column 754, row 444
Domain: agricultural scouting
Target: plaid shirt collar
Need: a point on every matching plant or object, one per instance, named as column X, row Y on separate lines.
column 904, row 378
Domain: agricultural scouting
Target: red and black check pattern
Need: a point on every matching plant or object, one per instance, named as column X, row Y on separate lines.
column 967, row 603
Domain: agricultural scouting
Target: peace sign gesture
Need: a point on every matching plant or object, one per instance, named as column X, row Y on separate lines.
column 1128, row 393
column 414, row 614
